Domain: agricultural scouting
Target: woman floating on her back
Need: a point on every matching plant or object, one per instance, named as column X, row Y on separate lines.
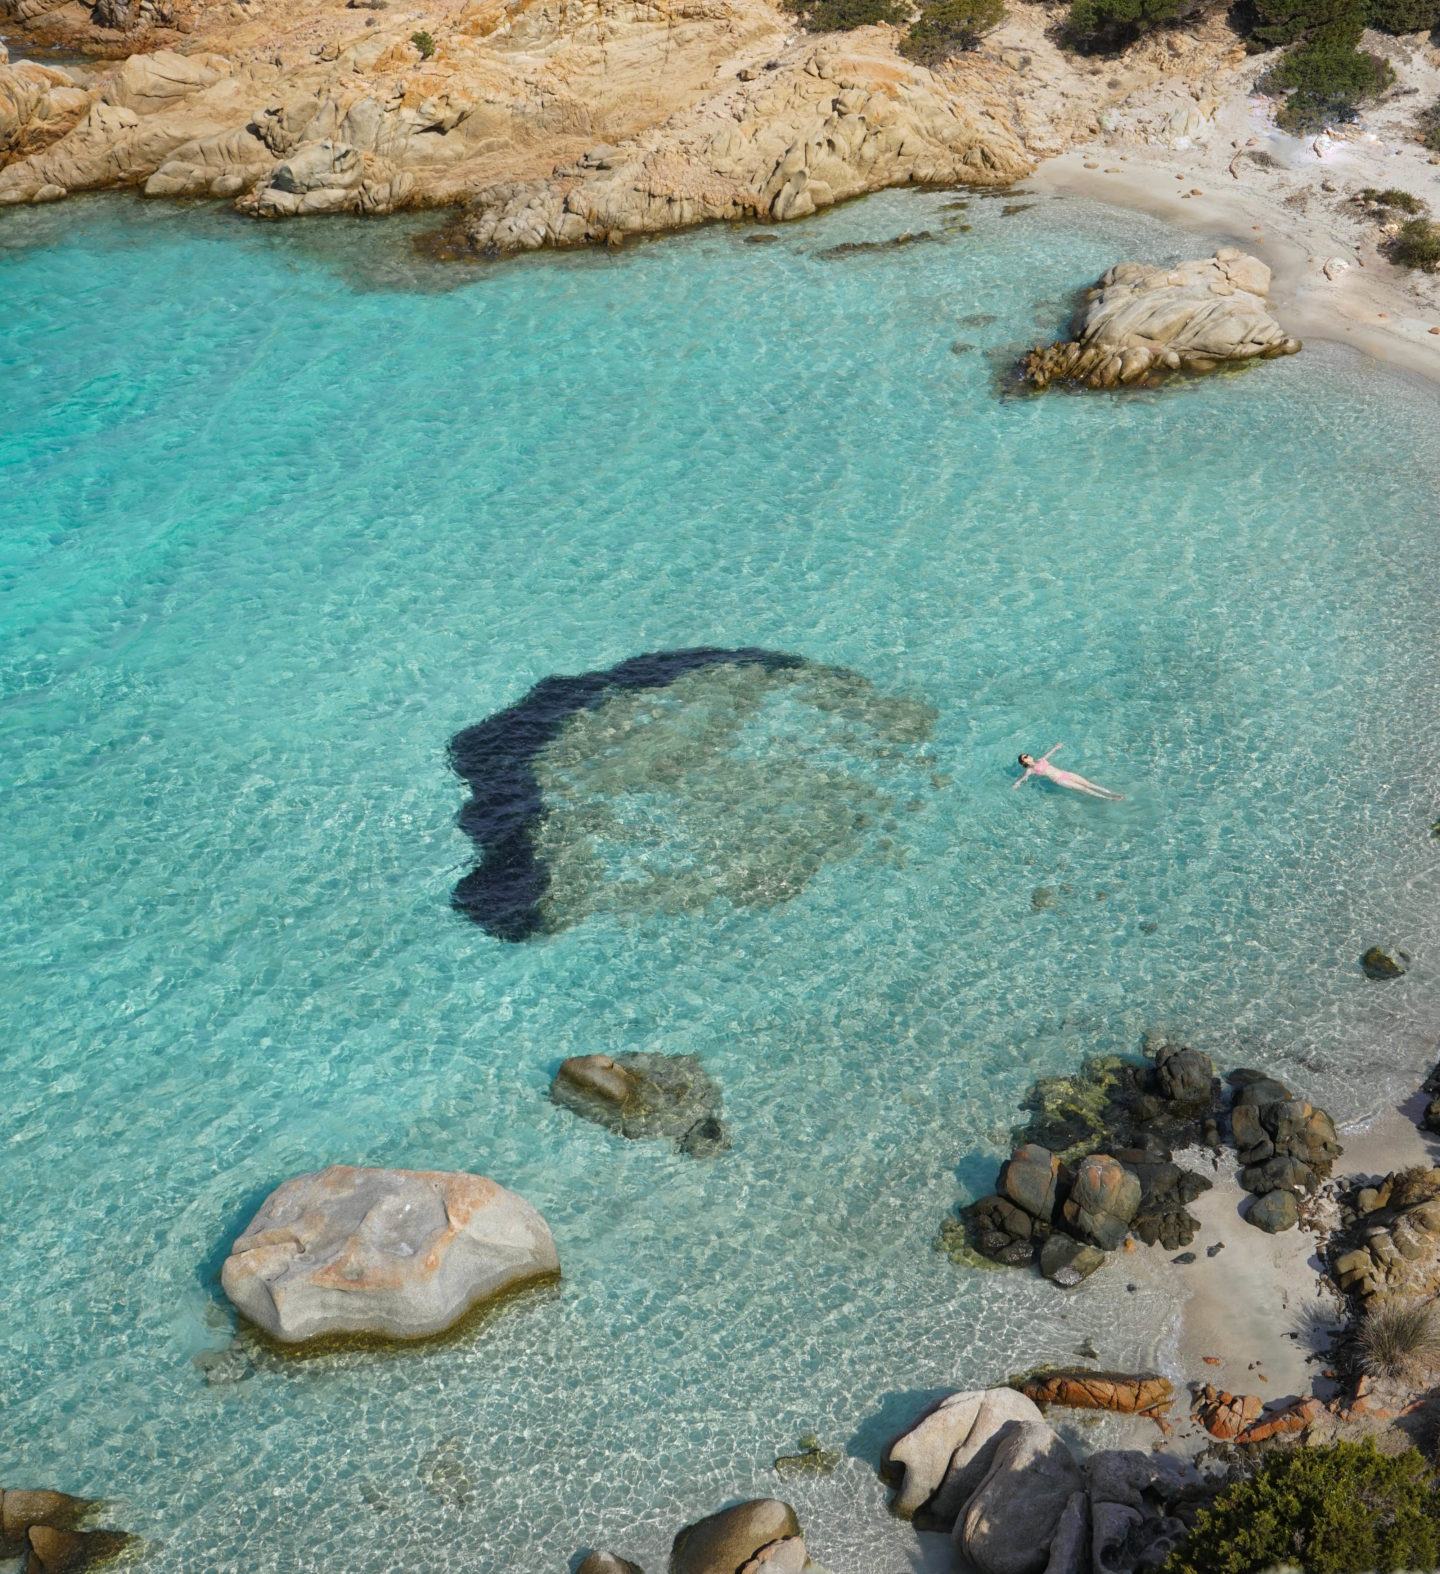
column 1043, row 767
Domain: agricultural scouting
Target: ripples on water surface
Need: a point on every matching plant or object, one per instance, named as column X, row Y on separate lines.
column 283, row 511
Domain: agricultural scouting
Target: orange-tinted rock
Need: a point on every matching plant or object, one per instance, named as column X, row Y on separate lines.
column 1226, row 1415
column 1142, row 1394
column 1273, row 1423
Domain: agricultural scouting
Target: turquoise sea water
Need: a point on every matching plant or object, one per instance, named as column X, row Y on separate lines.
column 283, row 510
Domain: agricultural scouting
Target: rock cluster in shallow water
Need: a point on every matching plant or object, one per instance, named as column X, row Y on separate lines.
column 1138, row 322
column 1095, row 1163
column 680, row 777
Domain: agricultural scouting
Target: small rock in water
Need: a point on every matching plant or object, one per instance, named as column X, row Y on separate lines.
column 1215, row 1250
column 1184, row 1257
column 1041, row 898
column 810, row 1460
column 1384, row 962
column 645, row 1096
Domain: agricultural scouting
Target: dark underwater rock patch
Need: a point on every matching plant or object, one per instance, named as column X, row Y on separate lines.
column 672, row 778
column 644, row 1096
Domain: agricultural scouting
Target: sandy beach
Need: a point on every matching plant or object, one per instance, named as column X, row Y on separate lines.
column 1239, row 181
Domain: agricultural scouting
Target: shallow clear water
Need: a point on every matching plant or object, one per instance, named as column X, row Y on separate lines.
column 283, row 510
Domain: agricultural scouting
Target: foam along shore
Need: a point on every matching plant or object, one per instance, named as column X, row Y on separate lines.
column 1290, row 201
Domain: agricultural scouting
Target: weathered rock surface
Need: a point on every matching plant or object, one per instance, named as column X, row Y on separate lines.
column 1139, row 321
column 645, row 1095
column 1030, row 1178
column 403, row 1253
column 1244, row 1418
column 1067, row 1262
column 1390, row 1242
column 763, row 1534
column 1104, row 1197
column 1144, row 1393
column 946, row 1454
column 1009, row 1523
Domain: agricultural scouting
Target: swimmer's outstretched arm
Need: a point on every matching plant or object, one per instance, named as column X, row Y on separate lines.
column 1054, row 748
column 1029, row 772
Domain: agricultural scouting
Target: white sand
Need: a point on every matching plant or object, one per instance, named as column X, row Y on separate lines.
column 1283, row 213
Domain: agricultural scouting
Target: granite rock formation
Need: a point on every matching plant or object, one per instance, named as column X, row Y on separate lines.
column 399, row 1253
column 1138, row 321
column 758, row 1537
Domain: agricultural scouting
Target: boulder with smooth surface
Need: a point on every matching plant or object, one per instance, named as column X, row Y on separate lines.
column 1009, row 1523
column 608, row 1563
column 947, row 1453
column 401, row 1253
column 1030, row 1178
column 735, row 1538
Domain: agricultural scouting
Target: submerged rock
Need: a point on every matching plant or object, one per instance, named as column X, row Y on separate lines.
column 677, row 778
column 646, row 1096
column 1384, row 962
column 809, row 1460
column 403, row 1253
column 1067, row 1262
column 45, row 1527
column 1138, row 321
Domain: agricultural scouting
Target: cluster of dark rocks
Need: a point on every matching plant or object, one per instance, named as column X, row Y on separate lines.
column 1095, row 1162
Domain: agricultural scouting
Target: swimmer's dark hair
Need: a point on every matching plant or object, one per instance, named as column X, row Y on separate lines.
column 1027, row 760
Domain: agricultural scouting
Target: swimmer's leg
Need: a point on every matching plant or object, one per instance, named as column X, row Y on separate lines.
column 1094, row 790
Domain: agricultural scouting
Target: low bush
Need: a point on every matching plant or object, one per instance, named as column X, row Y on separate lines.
column 1113, row 24
column 1397, row 1338
column 947, row 27
column 839, row 16
column 1402, row 16
column 424, row 43
column 1341, row 1509
column 1418, row 245
column 1391, row 197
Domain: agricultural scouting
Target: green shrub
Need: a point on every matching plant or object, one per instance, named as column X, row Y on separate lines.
column 1403, row 16
column 838, row 16
column 1418, row 245
column 946, row 27
column 424, row 43
column 1341, row 1509
column 1391, row 197
column 1326, row 77
column 1112, row 24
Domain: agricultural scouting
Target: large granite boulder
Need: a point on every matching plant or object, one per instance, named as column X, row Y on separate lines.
column 1009, row 1523
column 1139, row 321
column 402, row 1253
column 1030, row 1178
column 1275, row 1212
column 1104, row 1197
column 645, row 1096
column 946, row 1454
column 763, row 1534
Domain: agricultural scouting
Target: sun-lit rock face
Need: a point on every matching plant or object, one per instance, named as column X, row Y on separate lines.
column 403, row 1253
column 680, row 778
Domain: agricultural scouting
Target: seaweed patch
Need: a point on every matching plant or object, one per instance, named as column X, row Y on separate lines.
column 675, row 778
